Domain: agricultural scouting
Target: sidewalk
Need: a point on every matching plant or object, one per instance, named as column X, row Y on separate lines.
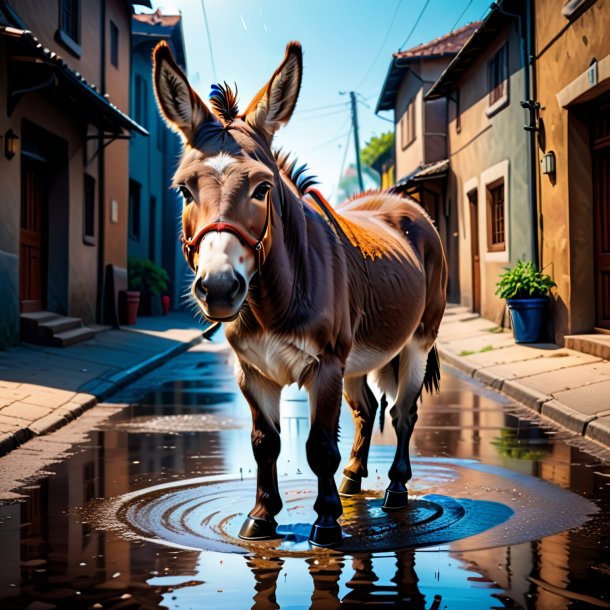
column 43, row 388
column 570, row 387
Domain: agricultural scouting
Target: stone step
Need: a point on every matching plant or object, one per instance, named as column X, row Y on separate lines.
column 58, row 325
column 594, row 344
column 34, row 318
column 71, row 337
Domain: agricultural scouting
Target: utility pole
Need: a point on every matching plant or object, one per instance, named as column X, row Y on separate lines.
column 352, row 97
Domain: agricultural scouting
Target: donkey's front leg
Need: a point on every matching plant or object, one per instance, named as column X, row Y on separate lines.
column 263, row 396
column 322, row 451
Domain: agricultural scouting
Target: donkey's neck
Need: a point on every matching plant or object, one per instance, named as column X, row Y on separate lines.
column 285, row 279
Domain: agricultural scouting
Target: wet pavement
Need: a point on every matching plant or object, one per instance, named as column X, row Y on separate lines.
column 138, row 502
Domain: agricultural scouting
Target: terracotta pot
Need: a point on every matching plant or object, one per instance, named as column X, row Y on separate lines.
column 130, row 301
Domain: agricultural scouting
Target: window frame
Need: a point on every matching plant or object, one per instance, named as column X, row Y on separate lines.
column 135, row 228
column 490, row 189
column 488, row 179
column 89, row 188
column 497, row 103
column 407, row 122
column 114, row 43
column 64, row 35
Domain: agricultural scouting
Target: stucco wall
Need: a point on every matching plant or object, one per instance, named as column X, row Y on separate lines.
column 486, row 148
column 565, row 51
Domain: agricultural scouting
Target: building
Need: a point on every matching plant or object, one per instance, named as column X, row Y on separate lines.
column 421, row 134
column 64, row 162
column 572, row 84
column 154, row 209
column 487, row 152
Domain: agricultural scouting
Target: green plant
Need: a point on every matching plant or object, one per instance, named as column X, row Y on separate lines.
column 523, row 281
column 145, row 276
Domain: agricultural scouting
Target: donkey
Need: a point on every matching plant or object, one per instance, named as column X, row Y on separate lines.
column 307, row 294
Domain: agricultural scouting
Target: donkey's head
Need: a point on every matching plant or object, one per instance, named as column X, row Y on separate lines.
column 227, row 175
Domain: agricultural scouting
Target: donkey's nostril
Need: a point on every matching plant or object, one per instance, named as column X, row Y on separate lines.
column 201, row 288
column 238, row 285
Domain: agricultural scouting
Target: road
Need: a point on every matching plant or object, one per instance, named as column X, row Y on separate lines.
column 136, row 505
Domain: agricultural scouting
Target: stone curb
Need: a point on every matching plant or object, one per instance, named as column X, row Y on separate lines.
column 89, row 394
column 543, row 404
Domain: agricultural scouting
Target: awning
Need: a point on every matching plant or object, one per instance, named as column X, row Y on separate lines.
column 32, row 67
column 430, row 171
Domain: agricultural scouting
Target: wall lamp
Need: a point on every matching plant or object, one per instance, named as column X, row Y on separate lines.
column 548, row 163
column 10, row 144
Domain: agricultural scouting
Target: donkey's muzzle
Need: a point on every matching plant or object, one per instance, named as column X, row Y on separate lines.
column 222, row 292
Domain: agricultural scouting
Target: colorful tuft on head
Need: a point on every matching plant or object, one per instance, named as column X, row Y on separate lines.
column 224, row 102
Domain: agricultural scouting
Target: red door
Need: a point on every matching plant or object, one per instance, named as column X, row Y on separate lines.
column 32, row 263
column 601, row 202
column 474, row 251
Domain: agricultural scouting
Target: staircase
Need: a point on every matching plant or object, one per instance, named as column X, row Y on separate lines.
column 48, row 328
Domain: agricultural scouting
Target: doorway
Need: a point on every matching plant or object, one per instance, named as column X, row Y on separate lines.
column 33, row 236
column 600, row 144
column 473, row 207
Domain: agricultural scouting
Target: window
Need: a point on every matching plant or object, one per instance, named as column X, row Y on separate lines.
column 498, row 77
column 134, row 209
column 152, row 243
column 407, row 126
column 495, row 217
column 69, row 25
column 114, row 44
column 89, row 211
column 141, row 109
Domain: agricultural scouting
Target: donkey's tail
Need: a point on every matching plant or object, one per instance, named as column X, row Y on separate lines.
column 432, row 377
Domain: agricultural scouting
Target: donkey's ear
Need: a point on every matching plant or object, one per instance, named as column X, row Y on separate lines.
column 274, row 104
column 180, row 105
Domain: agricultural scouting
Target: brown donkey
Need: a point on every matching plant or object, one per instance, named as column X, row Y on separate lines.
column 307, row 294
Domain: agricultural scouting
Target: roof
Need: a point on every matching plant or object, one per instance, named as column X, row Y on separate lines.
column 430, row 171
column 447, row 45
column 87, row 99
column 149, row 28
column 495, row 21
column 157, row 18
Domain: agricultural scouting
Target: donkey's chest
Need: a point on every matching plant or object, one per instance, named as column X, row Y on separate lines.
column 282, row 358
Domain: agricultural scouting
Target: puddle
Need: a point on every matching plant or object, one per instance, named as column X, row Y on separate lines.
column 145, row 513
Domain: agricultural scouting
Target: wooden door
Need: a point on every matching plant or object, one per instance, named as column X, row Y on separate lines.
column 601, row 206
column 32, row 243
column 474, row 251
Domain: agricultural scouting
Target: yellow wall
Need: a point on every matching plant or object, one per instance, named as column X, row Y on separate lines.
column 565, row 51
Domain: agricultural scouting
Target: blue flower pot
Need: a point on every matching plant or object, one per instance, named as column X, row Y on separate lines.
column 529, row 318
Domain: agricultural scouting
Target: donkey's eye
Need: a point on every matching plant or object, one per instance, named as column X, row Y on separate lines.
column 261, row 190
column 185, row 193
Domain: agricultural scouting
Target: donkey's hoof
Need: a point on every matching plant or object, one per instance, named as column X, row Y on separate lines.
column 326, row 533
column 350, row 486
column 395, row 500
column 258, row 529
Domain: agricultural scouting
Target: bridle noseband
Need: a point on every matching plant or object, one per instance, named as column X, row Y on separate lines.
column 260, row 246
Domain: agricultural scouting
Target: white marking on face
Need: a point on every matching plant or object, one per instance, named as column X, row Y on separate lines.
column 218, row 249
column 220, row 162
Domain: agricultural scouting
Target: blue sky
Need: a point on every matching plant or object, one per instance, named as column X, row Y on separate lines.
column 347, row 45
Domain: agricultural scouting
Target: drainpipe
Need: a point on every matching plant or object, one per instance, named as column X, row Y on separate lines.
column 100, row 179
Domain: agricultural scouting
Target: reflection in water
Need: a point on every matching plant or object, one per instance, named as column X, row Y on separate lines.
column 50, row 556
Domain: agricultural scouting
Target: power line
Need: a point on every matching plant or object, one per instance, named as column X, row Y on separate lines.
column 319, row 116
column 349, row 136
column 385, row 39
column 421, row 14
column 461, row 14
column 207, row 29
column 338, row 137
column 315, row 109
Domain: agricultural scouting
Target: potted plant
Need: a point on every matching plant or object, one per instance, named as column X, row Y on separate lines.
column 526, row 290
column 150, row 280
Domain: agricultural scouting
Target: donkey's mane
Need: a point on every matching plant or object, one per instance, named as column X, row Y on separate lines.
column 224, row 102
column 295, row 174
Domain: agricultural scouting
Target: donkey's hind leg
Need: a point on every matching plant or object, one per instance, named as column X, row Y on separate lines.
column 363, row 405
column 263, row 397
column 410, row 378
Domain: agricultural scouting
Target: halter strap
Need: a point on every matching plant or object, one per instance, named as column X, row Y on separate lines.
column 260, row 246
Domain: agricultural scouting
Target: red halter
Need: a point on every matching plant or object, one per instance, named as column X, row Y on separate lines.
column 260, row 246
